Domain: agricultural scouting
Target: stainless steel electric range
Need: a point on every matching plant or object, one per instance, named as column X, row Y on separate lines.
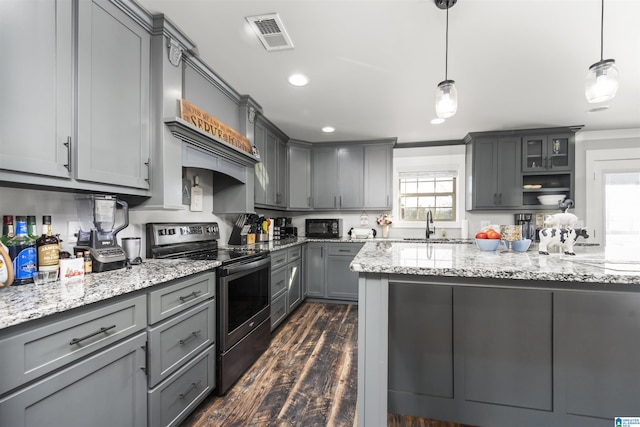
column 243, row 330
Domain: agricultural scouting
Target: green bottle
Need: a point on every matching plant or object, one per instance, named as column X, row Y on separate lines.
column 7, row 229
column 31, row 228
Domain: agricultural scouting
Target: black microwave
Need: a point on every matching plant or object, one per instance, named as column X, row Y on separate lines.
column 323, row 228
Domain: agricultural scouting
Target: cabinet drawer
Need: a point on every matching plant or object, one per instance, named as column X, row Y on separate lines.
column 344, row 249
column 278, row 259
column 278, row 282
column 29, row 355
column 278, row 310
column 174, row 342
column 174, row 399
column 294, row 253
column 182, row 294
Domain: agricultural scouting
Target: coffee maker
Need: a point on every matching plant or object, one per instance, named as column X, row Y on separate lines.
column 527, row 221
column 97, row 216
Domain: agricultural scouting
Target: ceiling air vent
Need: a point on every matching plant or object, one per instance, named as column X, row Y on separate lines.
column 270, row 31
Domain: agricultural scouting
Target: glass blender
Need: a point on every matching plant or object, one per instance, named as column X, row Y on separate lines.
column 97, row 217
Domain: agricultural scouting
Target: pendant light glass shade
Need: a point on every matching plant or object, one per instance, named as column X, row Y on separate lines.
column 602, row 81
column 446, row 99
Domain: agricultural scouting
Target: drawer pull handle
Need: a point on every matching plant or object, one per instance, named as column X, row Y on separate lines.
column 191, row 336
column 193, row 294
column 192, row 387
column 344, row 250
column 98, row 332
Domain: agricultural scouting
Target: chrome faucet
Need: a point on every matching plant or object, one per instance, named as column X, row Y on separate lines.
column 430, row 231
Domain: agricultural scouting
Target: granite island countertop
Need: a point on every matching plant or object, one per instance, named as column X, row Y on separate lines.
column 591, row 264
column 19, row 304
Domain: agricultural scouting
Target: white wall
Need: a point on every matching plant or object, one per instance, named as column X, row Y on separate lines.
column 597, row 140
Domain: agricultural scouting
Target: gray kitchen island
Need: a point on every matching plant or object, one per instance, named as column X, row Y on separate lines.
column 493, row 339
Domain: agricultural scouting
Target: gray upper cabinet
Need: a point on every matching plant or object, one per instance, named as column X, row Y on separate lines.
column 547, row 153
column 352, row 176
column 338, row 175
column 325, row 177
column 378, row 176
column 113, row 96
column 57, row 53
column 299, row 176
column 36, row 86
column 271, row 173
column 494, row 165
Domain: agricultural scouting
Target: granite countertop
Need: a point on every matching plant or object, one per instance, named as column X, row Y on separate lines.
column 19, row 304
column 591, row 264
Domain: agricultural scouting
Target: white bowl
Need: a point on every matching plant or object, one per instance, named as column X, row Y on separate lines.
column 551, row 199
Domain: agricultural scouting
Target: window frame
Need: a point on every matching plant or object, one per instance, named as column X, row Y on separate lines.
column 449, row 175
column 431, row 158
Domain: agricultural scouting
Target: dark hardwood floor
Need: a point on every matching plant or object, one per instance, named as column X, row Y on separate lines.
column 307, row 377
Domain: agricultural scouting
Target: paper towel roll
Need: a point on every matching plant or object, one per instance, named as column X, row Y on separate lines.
column 464, row 232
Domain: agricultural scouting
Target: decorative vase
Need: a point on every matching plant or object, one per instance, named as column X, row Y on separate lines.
column 385, row 231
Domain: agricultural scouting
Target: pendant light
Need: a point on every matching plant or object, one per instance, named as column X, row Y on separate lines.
column 602, row 78
column 446, row 94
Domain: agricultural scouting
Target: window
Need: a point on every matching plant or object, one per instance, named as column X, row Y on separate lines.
column 423, row 191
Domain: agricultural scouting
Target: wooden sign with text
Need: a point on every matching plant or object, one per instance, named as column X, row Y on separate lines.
column 209, row 124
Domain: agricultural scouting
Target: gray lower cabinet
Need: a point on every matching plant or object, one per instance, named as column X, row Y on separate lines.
column 327, row 271
column 477, row 355
column 107, row 389
column 424, row 349
column 286, row 283
column 109, row 89
column 507, row 342
column 597, row 348
column 181, row 347
column 121, row 362
column 178, row 395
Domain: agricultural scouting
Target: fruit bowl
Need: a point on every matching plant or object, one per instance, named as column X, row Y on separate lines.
column 487, row 244
column 551, row 199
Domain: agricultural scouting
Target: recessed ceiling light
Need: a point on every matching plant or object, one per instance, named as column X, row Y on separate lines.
column 598, row 109
column 298, row 79
column 328, row 129
column 437, row 121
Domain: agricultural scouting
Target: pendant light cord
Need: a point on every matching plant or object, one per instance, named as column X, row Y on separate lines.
column 602, row 32
column 446, row 49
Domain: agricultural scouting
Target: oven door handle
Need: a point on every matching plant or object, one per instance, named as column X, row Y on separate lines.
column 244, row 266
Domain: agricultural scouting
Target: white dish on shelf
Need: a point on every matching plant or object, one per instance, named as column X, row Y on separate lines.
column 551, row 199
column 532, row 186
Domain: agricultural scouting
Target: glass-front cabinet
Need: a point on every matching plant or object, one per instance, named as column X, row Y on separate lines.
column 546, row 152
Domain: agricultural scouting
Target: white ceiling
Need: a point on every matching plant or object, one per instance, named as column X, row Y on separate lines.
column 374, row 64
